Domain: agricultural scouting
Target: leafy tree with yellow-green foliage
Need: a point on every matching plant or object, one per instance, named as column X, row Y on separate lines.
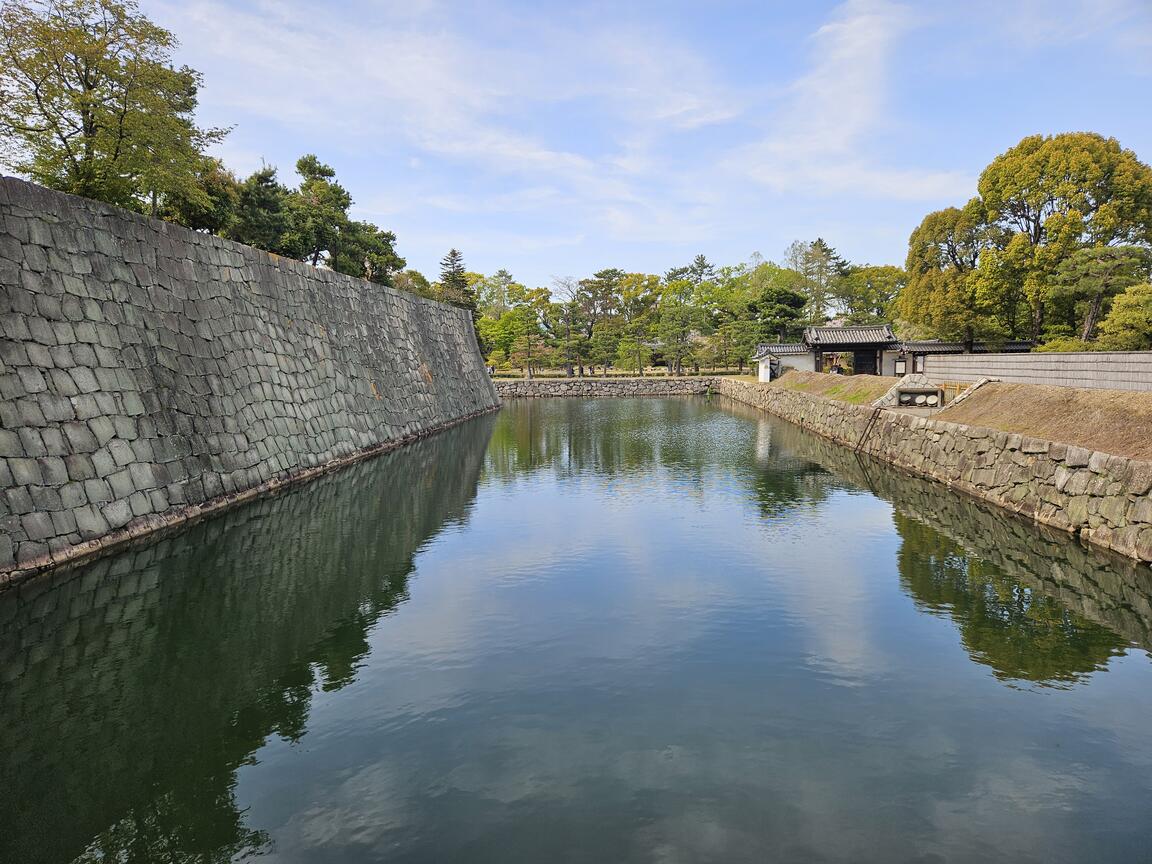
column 943, row 293
column 91, row 104
column 1128, row 326
column 1053, row 195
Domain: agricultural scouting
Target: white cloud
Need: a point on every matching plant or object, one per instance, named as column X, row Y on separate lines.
column 819, row 140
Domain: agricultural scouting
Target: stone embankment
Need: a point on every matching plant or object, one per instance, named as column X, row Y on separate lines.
column 1103, row 498
column 150, row 374
column 524, row 388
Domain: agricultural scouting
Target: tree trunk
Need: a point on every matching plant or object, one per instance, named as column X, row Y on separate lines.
column 1093, row 315
column 1038, row 321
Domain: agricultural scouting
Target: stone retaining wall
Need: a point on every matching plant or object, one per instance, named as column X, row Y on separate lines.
column 149, row 373
column 523, row 388
column 1103, row 498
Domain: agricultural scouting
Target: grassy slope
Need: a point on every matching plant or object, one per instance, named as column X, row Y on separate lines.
column 857, row 389
column 1113, row 421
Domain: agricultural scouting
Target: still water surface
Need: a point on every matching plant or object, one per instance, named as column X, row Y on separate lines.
column 586, row 631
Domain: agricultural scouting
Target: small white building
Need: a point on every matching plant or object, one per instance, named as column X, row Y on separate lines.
column 774, row 359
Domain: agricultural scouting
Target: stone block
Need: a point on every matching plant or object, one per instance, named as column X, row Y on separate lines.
column 63, row 522
column 80, row 437
column 121, row 483
column 98, row 491
column 32, row 379
column 19, row 500
column 25, row 472
column 90, row 522
column 103, row 462
column 79, row 466
column 84, row 379
column 1141, row 510
column 117, row 513
column 103, row 429
column 140, row 504
column 72, row 495
column 10, row 444
column 1098, row 462
column 53, row 469
column 1077, row 457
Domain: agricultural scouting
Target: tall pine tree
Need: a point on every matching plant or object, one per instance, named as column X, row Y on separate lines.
column 454, row 287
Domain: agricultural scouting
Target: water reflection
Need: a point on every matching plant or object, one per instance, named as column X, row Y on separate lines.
column 687, row 438
column 137, row 686
column 1030, row 601
column 648, row 630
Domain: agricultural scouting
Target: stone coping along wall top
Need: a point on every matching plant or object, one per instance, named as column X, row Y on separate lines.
column 146, row 369
column 590, row 387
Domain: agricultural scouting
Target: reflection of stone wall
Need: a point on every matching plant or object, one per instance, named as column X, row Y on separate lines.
column 146, row 369
column 1100, row 586
column 523, row 388
column 172, row 662
column 1104, row 498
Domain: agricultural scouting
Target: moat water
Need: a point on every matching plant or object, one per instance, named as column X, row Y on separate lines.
column 586, row 631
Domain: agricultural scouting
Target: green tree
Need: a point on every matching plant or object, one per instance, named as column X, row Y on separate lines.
column 778, row 305
column 1128, row 326
column 820, row 269
column 414, row 282
column 1055, row 194
column 942, row 292
column 632, row 354
column 599, row 297
column 362, row 249
column 260, row 217
column 865, row 294
column 213, row 207
column 604, row 344
column 567, row 325
column 90, row 104
column 317, row 210
column 492, row 292
column 454, row 287
column 1094, row 275
column 676, row 324
column 530, row 343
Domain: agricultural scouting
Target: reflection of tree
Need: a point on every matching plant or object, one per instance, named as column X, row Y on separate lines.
column 684, row 436
column 1094, row 585
column 1020, row 633
column 157, row 832
column 151, row 677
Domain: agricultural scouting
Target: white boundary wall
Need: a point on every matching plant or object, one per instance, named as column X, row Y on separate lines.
column 1109, row 370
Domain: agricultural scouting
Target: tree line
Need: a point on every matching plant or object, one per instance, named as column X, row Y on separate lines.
column 694, row 316
column 1054, row 248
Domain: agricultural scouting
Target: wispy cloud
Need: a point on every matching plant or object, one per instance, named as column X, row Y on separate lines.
column 821, row 136
column 634, row 136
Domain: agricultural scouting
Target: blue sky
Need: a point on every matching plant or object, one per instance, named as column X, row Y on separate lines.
column 556, row 139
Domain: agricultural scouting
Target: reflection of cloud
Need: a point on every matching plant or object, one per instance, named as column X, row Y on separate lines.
column 596, row 655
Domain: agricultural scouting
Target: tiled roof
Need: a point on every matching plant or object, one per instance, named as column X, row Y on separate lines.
column 871, row 334
column 780, row 349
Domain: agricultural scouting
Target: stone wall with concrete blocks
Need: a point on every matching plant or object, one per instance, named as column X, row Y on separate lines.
column 524, row 388
column 148, row 371
column 1105, row 499
column 1109, row 370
